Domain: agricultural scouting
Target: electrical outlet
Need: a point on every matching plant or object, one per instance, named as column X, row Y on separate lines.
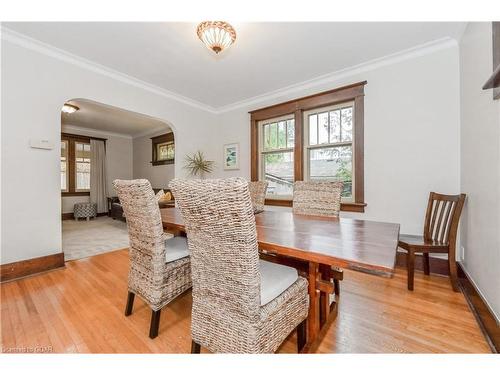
column 462, row 253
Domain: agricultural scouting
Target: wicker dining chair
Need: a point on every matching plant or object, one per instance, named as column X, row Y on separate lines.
column 440, row 235
column 159, row 263
column 240, row 304
column 258, row 194
column 320, row 198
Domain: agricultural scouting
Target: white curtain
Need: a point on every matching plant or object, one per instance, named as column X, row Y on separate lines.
column 98, row 192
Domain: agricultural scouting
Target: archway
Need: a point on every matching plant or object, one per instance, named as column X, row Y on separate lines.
column 134, row 146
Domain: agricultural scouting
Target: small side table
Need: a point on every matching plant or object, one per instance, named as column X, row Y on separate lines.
column 86, row 210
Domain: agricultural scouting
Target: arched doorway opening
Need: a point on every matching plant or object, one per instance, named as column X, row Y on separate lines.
column 101, row 143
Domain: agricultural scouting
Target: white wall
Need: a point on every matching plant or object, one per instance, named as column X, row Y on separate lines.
column 119, row 156
column 158, row 175
column 411, row 133
column 480, row 164
column 30, row 194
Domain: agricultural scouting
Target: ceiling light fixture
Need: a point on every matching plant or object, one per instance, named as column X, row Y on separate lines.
column 217, row 35
column 69, row 108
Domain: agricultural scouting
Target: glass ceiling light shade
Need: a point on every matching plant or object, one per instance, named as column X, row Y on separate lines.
column 217, row 35
column 69, row 108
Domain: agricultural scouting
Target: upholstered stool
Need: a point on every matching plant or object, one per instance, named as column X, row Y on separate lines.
column 86, row 210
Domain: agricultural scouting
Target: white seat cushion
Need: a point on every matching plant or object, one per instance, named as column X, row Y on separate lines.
column 274, row 280
column 176, row 248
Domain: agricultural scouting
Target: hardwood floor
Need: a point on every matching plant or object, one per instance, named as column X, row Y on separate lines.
column 81, row 309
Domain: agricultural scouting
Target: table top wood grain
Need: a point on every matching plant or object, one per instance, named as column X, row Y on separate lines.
column 362, row 245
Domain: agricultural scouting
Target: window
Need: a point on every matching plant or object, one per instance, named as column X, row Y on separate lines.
column 276, row 155
column 163, row 149
column 318, row 137
column 328, row 153
column 75, row 164
column 82, row 160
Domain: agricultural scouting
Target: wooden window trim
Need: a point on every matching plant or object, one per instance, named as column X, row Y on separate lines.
column 83, row 138
column 168, row 137
column 72, row 139
column 353, row 92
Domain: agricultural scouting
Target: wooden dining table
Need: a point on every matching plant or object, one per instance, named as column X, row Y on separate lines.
column 318, row 243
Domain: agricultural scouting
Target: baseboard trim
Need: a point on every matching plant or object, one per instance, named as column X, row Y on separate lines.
column 23, row 268
column 438, row 266
column 69, row 215
column 479, row 307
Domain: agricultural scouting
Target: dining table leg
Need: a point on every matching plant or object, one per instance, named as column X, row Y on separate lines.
column 324, row 298
column 313, row 317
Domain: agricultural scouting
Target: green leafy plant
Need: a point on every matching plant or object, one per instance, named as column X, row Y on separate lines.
column 197, row 165
column 343, row 171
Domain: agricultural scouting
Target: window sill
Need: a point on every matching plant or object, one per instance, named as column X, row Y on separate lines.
column 353, row 207
column 347, row 207
column 75, row 194
column 279, row 202
column 162, row 162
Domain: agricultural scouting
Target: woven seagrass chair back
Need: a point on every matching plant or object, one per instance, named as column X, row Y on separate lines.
column 145, row 229
column 317, row 198
column 258, row 194
column 222, row 240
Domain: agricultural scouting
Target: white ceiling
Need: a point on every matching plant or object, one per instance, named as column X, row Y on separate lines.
column 105, row 118
column 265, row 57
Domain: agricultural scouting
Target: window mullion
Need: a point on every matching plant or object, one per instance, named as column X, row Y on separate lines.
column 317, row 129
column 340, row 125
column 286, row 133
column 277, row 151
column 330, row 145
column 277, row 134
column 328, row 126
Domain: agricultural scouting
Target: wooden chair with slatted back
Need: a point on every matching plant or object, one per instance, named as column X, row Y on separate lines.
column 440, row 235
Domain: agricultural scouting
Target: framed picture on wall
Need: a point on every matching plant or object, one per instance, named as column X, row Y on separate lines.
column 232, row 156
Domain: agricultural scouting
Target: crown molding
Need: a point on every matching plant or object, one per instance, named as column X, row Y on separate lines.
column 46, row 49
column 49, row 50
column 410, row 53
column 69, row 128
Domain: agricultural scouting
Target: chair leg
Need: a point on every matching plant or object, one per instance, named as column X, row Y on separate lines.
column 155, row 324
column 452, row 264
column 426, row 264
column 410, row 265
column 195, row 347
column 301, row 335
column 130, row 303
